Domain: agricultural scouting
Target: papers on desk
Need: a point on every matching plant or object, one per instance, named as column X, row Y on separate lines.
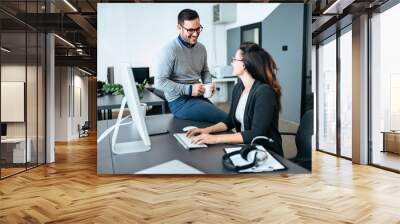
column 171, row 167
column 272, row 164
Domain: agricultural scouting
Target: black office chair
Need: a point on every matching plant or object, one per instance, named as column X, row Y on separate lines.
column 303, row 140
column 84, row 130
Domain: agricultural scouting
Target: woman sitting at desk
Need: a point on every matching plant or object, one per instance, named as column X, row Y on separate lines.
column 256, row 102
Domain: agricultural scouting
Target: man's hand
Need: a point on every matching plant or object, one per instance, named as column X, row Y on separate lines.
column 197, row 89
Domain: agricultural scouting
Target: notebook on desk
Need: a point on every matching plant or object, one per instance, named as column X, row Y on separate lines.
column 171, row 167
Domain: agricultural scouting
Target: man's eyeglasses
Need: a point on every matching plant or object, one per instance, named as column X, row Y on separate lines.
column 191, row 31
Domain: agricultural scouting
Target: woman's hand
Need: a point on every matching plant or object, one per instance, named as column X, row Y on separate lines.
column 205, row 138
column 196, row 131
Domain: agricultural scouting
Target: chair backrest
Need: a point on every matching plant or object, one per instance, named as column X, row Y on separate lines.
column 161, row 94
column 86, row 124
column 304, row 135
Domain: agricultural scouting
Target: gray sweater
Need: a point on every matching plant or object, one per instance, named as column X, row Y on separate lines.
column 179, row 67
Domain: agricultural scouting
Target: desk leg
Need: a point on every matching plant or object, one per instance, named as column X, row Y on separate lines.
column 384, row 143
column 99, row 115
column 109, row 112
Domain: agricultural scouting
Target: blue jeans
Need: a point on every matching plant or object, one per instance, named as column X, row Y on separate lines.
column 197, row 109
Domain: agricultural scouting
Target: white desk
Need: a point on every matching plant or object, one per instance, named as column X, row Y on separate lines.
column 19, row 149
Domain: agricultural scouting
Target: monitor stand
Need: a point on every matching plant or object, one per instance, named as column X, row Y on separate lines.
column 130, row 146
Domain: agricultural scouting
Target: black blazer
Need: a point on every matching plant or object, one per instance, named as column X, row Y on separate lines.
column 261, row 115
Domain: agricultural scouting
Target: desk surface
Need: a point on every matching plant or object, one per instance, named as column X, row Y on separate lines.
column 114, row 102
column 165, row 148
column 391, row 132
column 14, row 140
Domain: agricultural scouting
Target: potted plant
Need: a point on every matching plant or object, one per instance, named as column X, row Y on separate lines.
column 115, row 89
column 141, row 87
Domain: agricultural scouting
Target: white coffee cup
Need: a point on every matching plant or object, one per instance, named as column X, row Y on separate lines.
column 208, row 88
column 143, row 108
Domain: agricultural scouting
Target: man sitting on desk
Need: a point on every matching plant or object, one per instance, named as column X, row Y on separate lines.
column 183, row 63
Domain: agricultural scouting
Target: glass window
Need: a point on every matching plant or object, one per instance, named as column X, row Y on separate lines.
column 22, row 93
column 346, row 93
column 385, row 89
column 327, row 95
column 14, row 153
column 251, row 33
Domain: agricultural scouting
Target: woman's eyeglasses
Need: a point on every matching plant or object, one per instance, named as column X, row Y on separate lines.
column 235, row 59
column 191, row 31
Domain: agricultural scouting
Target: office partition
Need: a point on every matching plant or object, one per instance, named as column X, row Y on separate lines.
column 23, row 88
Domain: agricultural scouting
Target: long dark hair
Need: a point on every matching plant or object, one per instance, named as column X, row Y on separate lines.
column 262, row 67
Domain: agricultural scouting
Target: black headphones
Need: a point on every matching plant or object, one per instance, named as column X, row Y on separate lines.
column 260, row 156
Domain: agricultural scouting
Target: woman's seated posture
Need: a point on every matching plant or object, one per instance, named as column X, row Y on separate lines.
column 256, row 102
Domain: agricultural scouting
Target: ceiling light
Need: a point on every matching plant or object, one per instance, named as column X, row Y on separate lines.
column 84, row 71
column 65, row 41
column 70, row 5
column 337, row 7
column 5, row 50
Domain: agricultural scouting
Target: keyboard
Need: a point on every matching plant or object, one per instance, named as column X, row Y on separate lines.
column 187, row 142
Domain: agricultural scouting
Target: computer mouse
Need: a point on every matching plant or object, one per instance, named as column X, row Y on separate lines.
column 185, row 129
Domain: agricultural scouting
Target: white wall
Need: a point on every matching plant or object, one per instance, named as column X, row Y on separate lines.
column 68, row 80
column 248, row 13
column 80, row 82
column 33, row 126
column 16, row 72
column 61, row 103
column 135, row 33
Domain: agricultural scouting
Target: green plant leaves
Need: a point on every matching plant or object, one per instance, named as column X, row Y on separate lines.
column 115, row 89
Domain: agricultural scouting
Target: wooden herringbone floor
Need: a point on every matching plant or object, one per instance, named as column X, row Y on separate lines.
column 70, row 191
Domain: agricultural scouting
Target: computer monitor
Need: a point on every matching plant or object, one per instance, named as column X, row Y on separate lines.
column 138, row 117
column 141, row 73
column 3, row 129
